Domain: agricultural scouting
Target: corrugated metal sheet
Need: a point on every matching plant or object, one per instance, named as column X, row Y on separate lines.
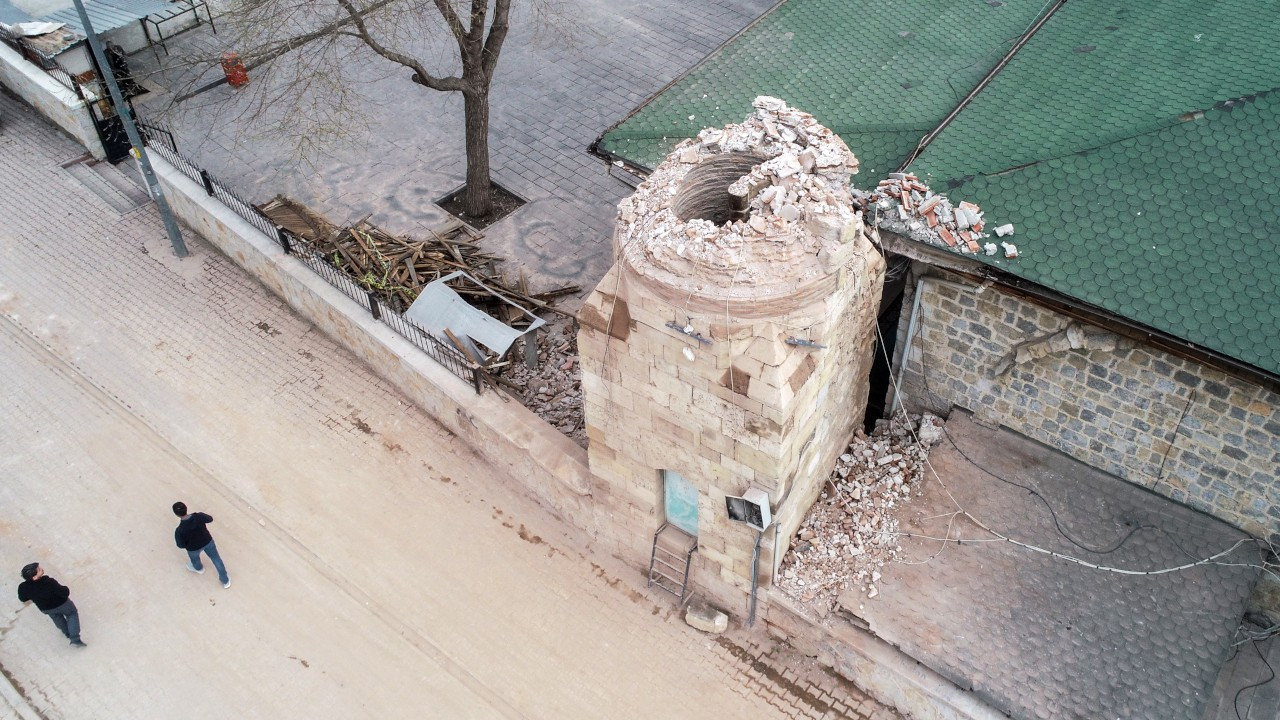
column 439, row 308
column 107, row 15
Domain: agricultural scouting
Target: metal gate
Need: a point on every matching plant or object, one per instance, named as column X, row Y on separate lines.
column 115, row 141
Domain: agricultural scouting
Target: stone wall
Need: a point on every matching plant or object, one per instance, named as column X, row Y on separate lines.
column 1180, row 429
column 730, row 344
column 747, row 410
column 50, row 98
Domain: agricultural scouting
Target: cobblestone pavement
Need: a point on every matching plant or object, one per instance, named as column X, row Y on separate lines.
column 554, row 94
column 379, row 568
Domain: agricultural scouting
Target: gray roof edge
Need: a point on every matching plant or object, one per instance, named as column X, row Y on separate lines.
column 1067, row 305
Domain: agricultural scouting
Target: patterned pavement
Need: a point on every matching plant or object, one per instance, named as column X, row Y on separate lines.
column 559, row 86
column 1038, row 637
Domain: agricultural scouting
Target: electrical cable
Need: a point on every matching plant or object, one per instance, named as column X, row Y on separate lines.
column 1031, row 491
column 896, row 380
column 1264, row 567
column 1235, row 702
column 1053, row 514
column 924, row 376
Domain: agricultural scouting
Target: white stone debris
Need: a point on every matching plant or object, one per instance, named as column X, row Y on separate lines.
column 554, row 391
column 788, row 172
column 851, row 532
column 905, row 205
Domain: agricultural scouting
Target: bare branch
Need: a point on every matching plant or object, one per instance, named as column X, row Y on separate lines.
column 479, row 13
column 497, row 35
column 299, row 40
column 451, row 18
column 421, row 76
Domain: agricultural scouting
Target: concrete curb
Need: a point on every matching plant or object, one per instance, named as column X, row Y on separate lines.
column 886, row 673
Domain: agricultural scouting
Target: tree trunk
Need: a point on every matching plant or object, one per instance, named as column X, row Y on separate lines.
column 479, row 193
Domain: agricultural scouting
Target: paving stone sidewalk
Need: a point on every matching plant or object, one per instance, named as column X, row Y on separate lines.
column 379, row 569
column 556, row 91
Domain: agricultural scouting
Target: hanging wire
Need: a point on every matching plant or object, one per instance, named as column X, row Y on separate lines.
column 895, row 380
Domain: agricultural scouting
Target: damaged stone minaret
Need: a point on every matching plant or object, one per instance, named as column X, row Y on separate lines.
column 729, row 346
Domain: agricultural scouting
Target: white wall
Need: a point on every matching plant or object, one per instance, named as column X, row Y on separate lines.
column 50, row 97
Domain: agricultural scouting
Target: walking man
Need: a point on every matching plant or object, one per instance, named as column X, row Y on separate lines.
column 53, row 599
column 193, row 536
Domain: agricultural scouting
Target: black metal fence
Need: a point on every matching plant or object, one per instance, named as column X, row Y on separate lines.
column 161, row 141
column 49, row 64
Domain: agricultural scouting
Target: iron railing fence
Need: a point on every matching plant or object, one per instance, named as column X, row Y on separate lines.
column 160, row 140
column 302, row 249
column 155, row 132
column 447, row 355
column 46, row 63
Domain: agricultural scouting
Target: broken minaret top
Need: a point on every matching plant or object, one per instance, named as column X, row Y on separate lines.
column 754, row 210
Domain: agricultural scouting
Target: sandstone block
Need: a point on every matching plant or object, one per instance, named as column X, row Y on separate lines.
column 668, row 382
column 764, row 464
column 702, row 616
column 768, row 351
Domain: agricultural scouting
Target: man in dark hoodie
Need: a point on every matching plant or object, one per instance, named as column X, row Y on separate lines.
column 193, row 536
column 53, row 599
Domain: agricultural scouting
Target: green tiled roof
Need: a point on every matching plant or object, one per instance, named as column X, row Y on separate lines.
column 1174, row 228
column 1124, row 195
column 1100, row 71
column 1135, row 146
column 880, row 75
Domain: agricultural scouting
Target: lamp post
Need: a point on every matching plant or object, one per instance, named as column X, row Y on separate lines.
column 126, row 117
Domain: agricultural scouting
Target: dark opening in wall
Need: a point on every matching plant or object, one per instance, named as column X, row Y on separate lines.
column 704, row 194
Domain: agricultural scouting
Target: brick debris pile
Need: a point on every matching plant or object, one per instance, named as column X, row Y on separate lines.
column 785, row 174
column 905, row 205
column 850, row 533
column 553, row 391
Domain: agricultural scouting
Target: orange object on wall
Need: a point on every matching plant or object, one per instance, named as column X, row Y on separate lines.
column 237, row 76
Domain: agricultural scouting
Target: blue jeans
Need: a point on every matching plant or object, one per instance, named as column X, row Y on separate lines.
column 67, row 619
column 212, row 551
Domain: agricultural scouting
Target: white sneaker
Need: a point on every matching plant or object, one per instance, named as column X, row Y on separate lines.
column 198, row 572
column 227, row 584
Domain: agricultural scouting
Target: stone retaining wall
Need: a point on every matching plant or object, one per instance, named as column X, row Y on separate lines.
column 50, row 98
column 884, row 672
column 552, row 467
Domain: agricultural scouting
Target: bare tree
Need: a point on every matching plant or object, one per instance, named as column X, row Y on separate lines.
column 308, row 42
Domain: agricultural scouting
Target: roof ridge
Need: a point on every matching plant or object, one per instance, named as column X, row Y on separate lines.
column 1221, row 106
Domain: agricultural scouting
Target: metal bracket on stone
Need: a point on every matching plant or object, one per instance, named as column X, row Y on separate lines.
column 800, row 342
column 688, row 330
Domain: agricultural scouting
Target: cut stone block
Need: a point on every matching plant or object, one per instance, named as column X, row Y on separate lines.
column 702, row 616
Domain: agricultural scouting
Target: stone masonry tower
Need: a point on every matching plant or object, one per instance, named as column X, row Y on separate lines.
column 729, row 346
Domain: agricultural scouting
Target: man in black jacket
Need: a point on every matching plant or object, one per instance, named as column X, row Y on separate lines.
column 193, row 536
column 53, row 599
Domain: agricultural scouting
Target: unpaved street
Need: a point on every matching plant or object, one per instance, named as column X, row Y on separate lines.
column 378, row 569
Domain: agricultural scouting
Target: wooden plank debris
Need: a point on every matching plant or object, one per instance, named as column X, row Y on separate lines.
column 396, row 268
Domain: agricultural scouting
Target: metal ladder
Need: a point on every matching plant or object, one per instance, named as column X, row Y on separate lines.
column 664, row 562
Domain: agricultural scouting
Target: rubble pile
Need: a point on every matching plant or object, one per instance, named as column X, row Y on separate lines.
column 851, row 532
column 397, row 267
column 905, row 205
column 783, row 171
column 553, row 391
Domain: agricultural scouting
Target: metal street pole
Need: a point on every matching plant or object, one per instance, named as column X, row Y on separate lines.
column 122, row 109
